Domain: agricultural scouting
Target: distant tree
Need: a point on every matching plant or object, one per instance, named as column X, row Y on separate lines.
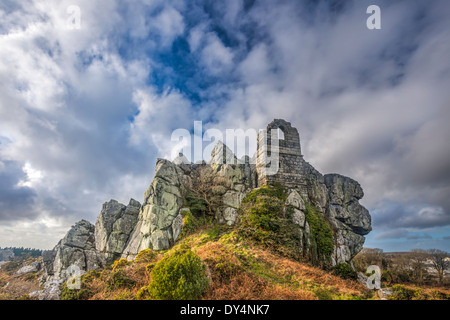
column 370, row 256
column 440, row 262
column 418, row 259
column 21, row 253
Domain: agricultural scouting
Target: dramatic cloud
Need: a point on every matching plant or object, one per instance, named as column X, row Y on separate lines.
column 86, row 110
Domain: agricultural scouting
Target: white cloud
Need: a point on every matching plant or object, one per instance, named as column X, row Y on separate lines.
column 33, row 176
column 80, row 106
column 216, row 57
column 39, row 233
column 168, row 25
column 159, row 115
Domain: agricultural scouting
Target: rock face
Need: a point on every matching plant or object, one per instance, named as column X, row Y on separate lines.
column 122, row 231
column 114, row 226
column 75, row 250
column 334, row 195
column 163, row 201
column 351, row 221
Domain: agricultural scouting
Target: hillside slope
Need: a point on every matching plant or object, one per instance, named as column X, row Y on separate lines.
column 235, row 268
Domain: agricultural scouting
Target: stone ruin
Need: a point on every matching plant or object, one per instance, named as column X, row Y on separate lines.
column 122, row 231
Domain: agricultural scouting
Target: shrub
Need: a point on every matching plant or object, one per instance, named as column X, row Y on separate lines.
column 143, row 294
column 90, row 276
column 150, row 266
column 344, row 271
column 320, row 228
column 196, row 205
column 387, row 277
column 10, row 266
column 400, row 292
column 118, row 279
column 75, row 294
column 438, row 295
column 180, row 276
column 146, row 255
column 119, row 264
column 191, row 223
column 419, row 294
column 265, row 220
column 324, row 294
column 274, row 191
column 30, row 276
column 403, row 293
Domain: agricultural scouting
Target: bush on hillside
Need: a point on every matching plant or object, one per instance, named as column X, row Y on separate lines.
column 180, row 276
column 344, row 271
column 264, row 220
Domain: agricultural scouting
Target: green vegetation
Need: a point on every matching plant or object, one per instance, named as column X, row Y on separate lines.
column 11, row 266
column 345, row 271
column 198, row 206
column 323, row 235
column 179, row 276
column 265, row 220
column 119, row 264
column 400, row 292
column 74, row 294
column 324, row 294
column 276, row 190
column 146, row 255
column 413, row 268
column 24, row 252
column 214, row 262
column 191, row 222
column 118, row 279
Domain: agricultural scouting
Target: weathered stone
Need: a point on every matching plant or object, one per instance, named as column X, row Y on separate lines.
column 33, row 267
column 298, row 217
column 230, row 215
column 181, row 159
column 123, row 231
column 350, row 219
column 233, row 198
column 177, row 224
column 362, row 278
column 221, row 154
column 160, row 239
column 48, row 257
column 163, row 200
column 76, row 249
column 113, row 228
column 294, row 199
column 51, row 291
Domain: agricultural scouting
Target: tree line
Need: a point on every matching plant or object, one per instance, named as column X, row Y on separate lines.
column 21, row 251
column 416, row 266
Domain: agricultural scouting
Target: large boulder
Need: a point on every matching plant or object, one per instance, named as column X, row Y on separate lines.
column 163, row 201
column 343, row 204
column 114, row 226
column 350, row 220
column 76, row 251
column 33, row 267
column 48, row 258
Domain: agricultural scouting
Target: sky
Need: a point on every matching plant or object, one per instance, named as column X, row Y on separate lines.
column 91, row 91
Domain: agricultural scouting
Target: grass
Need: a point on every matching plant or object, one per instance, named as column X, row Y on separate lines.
column 236, row 269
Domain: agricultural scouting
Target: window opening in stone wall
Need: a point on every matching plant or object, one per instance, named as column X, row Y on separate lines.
column 280, row 134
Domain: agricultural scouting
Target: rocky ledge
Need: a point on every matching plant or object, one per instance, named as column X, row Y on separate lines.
column 122, row 231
